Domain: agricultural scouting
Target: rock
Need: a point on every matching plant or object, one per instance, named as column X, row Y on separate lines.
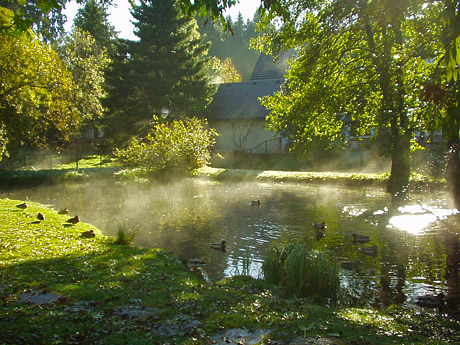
column 39, row 298
column 240, row 336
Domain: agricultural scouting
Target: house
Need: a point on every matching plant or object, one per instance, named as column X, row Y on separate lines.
column 238, row 116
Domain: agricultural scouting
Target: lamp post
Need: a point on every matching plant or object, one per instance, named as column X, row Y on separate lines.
column 165, row 113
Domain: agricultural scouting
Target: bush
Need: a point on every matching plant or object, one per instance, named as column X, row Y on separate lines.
column 302, row 272
column 126, row 234
column 177, row 147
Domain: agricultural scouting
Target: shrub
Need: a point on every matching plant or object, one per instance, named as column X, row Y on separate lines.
column 302, row 272
column 178, row 146
column 126, row 234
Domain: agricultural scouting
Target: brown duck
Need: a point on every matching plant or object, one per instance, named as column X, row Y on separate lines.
column 22, row 206
column 73, row 220
column 88, row 234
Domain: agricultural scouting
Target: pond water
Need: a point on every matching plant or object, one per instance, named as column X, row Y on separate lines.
column 417, row 239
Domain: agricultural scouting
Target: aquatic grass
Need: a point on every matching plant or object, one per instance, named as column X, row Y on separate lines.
column 301, row 271
column 126, row 234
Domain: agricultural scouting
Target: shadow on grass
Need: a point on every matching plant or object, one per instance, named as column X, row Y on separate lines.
column 130, row 295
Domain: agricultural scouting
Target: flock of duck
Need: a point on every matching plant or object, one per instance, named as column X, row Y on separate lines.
column 429, row 301
column 194, row 264
column 72, row 221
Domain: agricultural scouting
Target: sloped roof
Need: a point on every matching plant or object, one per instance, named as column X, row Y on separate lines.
column 240, row 100
column 267, row 68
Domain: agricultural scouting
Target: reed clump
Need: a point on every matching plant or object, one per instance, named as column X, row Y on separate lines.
column 302, row 272
column 126, row 234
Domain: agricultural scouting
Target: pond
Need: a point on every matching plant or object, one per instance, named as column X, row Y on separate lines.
column 417, row 239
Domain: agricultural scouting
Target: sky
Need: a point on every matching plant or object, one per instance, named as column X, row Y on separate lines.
column 120, row 16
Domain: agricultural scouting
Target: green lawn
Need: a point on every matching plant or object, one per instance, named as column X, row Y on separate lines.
column 101, row 293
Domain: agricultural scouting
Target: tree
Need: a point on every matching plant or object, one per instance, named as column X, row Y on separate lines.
column 166, row 66
column 87, row 62
column 44, row 17
column 222, row 72
column 36, row 90
column 236, row 46
column 354, row 62
column 441, row 91
column 93, row 18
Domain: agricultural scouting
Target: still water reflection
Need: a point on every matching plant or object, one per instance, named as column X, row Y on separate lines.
column 417, row 240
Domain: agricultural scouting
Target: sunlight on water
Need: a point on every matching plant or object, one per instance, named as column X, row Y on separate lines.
column 417, row 218
column 413, row 224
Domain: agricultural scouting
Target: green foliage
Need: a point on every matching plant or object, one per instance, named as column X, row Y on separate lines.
column 301, row 271
column 164, row 69
column 235, row 47
column 94, row 19
column 3, row 140
column 179, row 146
column 86, row 61
column 36, row 90
column 222, row 72
column 126, row 234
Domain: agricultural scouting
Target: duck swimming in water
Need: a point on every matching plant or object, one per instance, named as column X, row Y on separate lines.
column 194, row 263
column 320, row 226
column 431, row 301
column 255, row 203
column 319, row 235
column 40, row 216
column 64, row 211
column 371, row 251
column 219, row 245
column 360, row 238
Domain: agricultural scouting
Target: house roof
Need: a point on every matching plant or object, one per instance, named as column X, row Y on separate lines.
column 267, row 68
column 241, row 100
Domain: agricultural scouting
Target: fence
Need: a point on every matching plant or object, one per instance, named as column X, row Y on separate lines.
column 49, row 160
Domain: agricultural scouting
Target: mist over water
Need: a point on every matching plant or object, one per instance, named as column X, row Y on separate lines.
column 416, row 238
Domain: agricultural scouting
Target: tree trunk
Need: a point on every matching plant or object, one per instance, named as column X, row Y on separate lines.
column 452, row 174
column 400, row 163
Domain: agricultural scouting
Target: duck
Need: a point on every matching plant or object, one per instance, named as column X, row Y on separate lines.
column 371, row 251
column 22, row 206
column 219, row 245
column 320, row 226
column 350, row 265
column 319, row 235
column 360, row 238
column 64, row 211
column 40, row 216
column 73, row 220
column 431, row 301
column 194, row 263
column 88, row 234
column 255, row 203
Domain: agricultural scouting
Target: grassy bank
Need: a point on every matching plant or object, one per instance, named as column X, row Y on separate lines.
column 14, row 178
column 58, row 287
column 346, row 179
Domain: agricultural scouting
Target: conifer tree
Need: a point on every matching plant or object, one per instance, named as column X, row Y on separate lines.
column 93, row 18
column 167, row 62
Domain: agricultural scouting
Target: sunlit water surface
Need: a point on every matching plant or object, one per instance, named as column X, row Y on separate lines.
column 417, row 239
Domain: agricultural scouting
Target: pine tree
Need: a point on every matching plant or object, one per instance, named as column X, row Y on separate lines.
column 167, row 62
column 93, row 18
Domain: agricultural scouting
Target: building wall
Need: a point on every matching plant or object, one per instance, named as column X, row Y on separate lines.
column 245, row 135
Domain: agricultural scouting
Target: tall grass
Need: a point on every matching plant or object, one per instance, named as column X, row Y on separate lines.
column 301, row 271
column 126, row 234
